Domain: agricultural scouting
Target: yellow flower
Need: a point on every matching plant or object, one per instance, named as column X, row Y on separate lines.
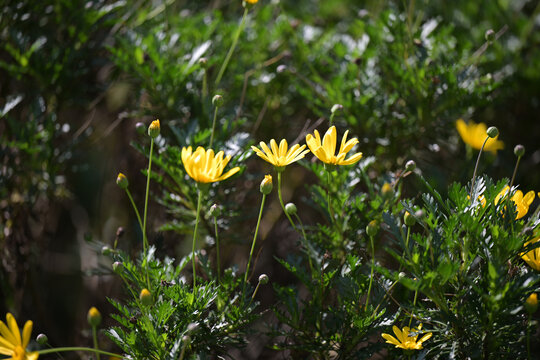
column 522, row 202
column 324, row 150
column 205, row 167
column 11, row 342
column 474, row 135
column 282, row 156
column 405, row 340
column 154, row 129
column 252, row 1
column 531, row 304
column 93, row 316
column 532, row 257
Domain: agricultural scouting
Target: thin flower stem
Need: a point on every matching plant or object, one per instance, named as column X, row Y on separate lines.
column 134, row 208
column 145, row 239
column 514, row 174
column 305, row 241
column 94, row 336
column 205, row 84
column 199, row 200
column 213, row 127
column 387, row 293
column 233, row 46
column 432, row 191
column 217, row 249
column 281, row 201
column 255, row 292
column 372, row 267
column 328, row 200
column 414, row 304
column 183, row 352
column 64, row 349
column 476, row 167
column 254, row 240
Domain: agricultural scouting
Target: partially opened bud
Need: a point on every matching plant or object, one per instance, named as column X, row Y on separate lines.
column 146, row 297
column 203, row 62
column 266, row 185
column 215, row 210
column 490, row 35
column 531, row 304
column 409, row 219
column 154, row 129
column 217, row 100
column 93, row 317
column 122, row 181
column 410, row 165
column 336, row 108
column 372, row 228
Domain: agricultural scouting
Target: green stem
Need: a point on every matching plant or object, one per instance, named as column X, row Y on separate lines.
column 75, row 348
column 233, row 46
column 255, row 292
column 372, row 267
column 199, row 199
column 328, row 200
column 514, row 174
column 135, row 208
column 145, row 237
column 183, row 352
column 217, row 249
column 254, row 240
column 213, row 127
column 432, row 191
column 414, row 304
column 308, row 249
column 476, row 167
column 94, row 336
column 205, row 84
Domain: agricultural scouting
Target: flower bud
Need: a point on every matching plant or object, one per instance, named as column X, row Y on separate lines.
column 154, row 129
column 410, row 165
column 146, row 297
column 203, row 62
column 263, row 279
column 105, row 250
column 386, row 189
column 117, row 266
column 215, row 210
column 93, row 317
column 217, row 101
column 119, row 232
column 519, row 150
column 531, row 304
column 42, row 339
column 401, row 275
column 266, row 185
column 140, row 127
column 492, row 132
column 336, row 108
column 290, row 209
column 489, row 35
column 409, row 219
column 122, row 181
column 372, row 228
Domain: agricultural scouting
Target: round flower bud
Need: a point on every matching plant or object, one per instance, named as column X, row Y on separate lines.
column 140, row 127
column 116, row 266
column 122, row 181
column 105, row 250
column 281, row 68
column 410, row 165
column 203, row 62
column 372, row 228
column 490, row 35
column 93, row 317
column 409, row 219
column 215, row 210
column 42, row 339
column 290, row 209
column 336, row 108
column 531, row 304
column 263, row 279
column 519, row 150
column 120, row 231
column 154, row 129
column 266, row 185
column 217, row 100
column 401, row 275
column 492, row 132
column 386, row 189
column 146, row 297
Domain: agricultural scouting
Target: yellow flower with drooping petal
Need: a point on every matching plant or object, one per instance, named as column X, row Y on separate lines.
column 280, row 156
column 11, row 342
column 522, row 202
column 205, row 167
column 405, row 340
column 474, row 135
column 325, row 150
column 532, row 258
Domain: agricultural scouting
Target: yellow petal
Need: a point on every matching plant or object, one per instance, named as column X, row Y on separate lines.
column 283, row 148
column 6, row 351
column 329, row 141
column 12, row 324
column 27, row 331
column 6, row 334
column 390, row 339
column 529, row 198
column 32, row 355
column 275, row 149
column 352, row 160
column 398, row 333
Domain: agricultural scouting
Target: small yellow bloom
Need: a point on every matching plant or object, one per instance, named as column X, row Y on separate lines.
column 522, row 202
column 205, row 167
column 146, row 297
column 93, row 317
column 474, row 135
column 266, row 185
column 280, row 156
column 532, row 257
column 154, row 129
column 405, row 340
column 531, row 304
column 122, row 181
column 324, row 150
column 11, row 342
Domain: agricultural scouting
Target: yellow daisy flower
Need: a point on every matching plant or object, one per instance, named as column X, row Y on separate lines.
column 405, row 340
column 252, row 1
column 474, row 135
column 205, row 167
column 11, row 342
column 280, row 156
column 324, row 150
column 532, row 257
column 522, row 202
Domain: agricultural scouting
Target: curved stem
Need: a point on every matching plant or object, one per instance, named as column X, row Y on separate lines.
column 94, row 336
column 476, row 167
column 514, row 174
column 305, row 241
column 213, row 128
column 414, row 305
column 233, row 46
column 135, row 208
column 281, row 201
column 217, row 249
column 372, row 267
column 145, row 238
column 254, row 239
column 75, row 348
column 199, row 198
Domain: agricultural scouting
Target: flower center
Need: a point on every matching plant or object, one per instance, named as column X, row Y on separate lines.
column 18, row 353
